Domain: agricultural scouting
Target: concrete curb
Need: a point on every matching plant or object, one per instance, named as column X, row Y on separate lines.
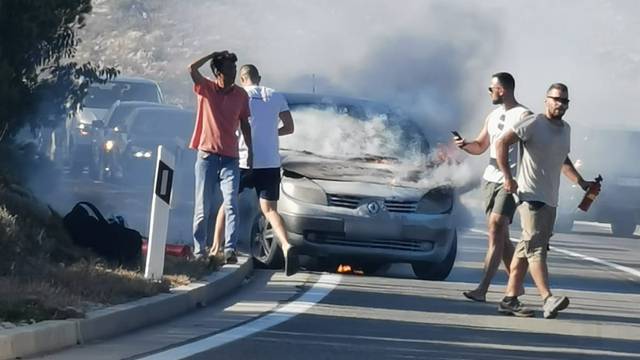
column 54, row 335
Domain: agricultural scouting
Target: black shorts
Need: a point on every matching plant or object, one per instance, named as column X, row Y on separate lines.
column 265, row 181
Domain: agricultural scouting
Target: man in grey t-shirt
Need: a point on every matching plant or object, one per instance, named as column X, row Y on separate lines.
column 545, row 140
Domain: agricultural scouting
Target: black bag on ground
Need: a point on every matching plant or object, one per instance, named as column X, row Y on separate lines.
column 108, row 238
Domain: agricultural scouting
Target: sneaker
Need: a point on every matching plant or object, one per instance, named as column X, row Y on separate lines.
column 553, row 304
column 515, row 308
column 291, row 261
column 230, row 257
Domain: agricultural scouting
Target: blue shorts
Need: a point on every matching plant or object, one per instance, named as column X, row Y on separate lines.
column 265, row 181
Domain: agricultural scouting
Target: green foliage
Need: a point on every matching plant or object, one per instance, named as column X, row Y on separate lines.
column 39, row 82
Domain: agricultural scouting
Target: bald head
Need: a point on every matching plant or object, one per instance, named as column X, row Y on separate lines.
column 249, row 75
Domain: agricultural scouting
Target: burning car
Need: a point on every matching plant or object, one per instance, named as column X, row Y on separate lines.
column 357, row 187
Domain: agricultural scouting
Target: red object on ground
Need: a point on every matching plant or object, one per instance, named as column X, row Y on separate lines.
column 172, row 250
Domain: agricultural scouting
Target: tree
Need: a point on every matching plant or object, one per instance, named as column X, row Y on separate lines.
column 39, row 81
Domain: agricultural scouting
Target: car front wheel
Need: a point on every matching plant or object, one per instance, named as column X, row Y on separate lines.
column 265, row 250
column 623, row 227
column 437, row 271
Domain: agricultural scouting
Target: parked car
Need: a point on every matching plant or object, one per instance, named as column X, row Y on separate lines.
column 100, row 97
column 111, row 127
column 612, row 153
column 129, row 154
column 351, row 191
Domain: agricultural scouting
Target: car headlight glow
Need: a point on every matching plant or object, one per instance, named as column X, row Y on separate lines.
column 142, row 154
column 436, row 201
column 304, row 190
column 109, row 145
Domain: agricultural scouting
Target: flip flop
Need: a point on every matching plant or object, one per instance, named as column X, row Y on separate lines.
column 291, row 261
column 469, row 295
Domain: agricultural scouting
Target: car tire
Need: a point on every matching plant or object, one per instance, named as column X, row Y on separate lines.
column 624, row 227
column 437, row 271
column 264, row 245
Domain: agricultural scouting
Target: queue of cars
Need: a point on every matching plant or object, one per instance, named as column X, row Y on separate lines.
column 81, row 126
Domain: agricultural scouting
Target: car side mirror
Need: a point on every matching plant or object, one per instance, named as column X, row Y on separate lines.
column 97, row 124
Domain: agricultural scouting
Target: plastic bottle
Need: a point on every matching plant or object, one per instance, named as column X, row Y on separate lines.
column 590, row 195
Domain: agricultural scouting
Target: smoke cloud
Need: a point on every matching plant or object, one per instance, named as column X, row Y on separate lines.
column 433, row 59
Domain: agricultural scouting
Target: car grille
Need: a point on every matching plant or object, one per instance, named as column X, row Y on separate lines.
column 388, row 244
column 352, row 202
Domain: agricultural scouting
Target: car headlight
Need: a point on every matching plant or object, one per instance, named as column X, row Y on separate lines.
column 304, row 190
column 141, row 153
column 83, row 129
column 108, row 146
column 436, row 201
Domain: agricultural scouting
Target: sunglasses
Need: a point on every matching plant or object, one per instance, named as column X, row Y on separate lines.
column 561, row 100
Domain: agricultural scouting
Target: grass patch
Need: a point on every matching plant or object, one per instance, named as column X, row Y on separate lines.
column 44, row 276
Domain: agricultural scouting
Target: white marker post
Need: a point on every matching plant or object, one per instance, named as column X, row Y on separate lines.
column 159, row 222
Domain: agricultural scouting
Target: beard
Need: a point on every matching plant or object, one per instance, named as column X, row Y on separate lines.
column 497, row 101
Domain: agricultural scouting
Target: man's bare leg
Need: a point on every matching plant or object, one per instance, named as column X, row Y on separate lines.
column 498, row 226
column 540, row 275
column 518, row 270
column 218, row 233
column 269, row 209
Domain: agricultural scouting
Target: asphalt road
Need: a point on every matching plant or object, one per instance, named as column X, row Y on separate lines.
column 395, row 316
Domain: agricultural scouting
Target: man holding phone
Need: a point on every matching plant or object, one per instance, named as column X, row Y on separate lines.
column 499, row 205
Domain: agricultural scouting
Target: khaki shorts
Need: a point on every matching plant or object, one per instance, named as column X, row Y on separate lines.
column 497, row 200
column 537, row 227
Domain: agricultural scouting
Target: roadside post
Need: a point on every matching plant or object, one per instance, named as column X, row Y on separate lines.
column 160, row 206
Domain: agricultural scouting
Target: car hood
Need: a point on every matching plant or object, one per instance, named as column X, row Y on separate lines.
column 88, row 115
column 151, row 143
column 369, row 170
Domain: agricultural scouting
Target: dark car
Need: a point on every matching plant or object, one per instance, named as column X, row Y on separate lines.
column 128, row 154
column 109, row 127
column 612, row 153
column 353, row 189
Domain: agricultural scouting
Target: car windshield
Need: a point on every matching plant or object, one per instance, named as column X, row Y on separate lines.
column 161, row 124
column 104, row 95
column 354, row 130
column 119, row 113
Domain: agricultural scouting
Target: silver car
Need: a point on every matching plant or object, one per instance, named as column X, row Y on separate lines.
column 355, row 189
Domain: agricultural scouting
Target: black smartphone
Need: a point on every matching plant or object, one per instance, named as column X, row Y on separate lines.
column 456, row 135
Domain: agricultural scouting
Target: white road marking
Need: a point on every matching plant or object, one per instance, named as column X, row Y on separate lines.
column 622, row 268
column 318, row 291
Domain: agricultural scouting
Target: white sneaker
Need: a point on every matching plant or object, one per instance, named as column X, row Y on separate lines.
column 553, row 304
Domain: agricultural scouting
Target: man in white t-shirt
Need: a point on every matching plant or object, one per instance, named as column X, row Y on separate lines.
column 545, row 139
column 498, row 204
column 268, row 109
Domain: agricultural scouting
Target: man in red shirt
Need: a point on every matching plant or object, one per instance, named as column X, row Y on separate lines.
column 222, row 108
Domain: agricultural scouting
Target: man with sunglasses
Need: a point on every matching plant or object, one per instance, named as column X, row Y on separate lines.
column 498, row 204
column 545, row 140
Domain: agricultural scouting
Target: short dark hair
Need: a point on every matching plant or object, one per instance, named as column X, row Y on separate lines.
column 220, row 58
column 251, row 71
column 506, row 80
column 558, row 86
